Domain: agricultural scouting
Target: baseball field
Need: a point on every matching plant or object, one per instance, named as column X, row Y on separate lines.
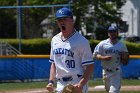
column 95, row 86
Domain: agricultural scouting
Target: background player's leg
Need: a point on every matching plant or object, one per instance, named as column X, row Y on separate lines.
column 106, row 82
column 115, row 83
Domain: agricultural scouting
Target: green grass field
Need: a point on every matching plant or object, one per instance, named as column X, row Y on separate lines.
column 124, row 82
column 120, row 92
column 36, row 85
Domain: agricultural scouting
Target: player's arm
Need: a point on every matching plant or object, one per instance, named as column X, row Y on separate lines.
column 97, row 54
column 50, row 87
column 88, row 64
column 124, row 55
column 86, row 76
column 124, row 58
column 52, row 72
column 101, row 57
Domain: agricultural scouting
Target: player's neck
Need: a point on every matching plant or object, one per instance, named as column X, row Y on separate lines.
column 66, row 34
column 113, row 41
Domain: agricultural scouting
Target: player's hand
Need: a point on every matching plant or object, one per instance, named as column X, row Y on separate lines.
column 107, row 58
column 78, row 88
column 50, row 87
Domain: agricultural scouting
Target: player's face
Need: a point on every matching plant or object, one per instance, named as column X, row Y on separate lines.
column 113, row 35
column 65, row 24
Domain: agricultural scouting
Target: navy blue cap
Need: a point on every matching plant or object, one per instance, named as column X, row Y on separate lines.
column 63, row 12
column 112, row 28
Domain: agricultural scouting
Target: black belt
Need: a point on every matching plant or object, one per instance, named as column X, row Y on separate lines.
column 68, row 78
column 110, row 70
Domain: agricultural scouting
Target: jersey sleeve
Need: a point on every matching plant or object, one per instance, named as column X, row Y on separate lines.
column 124, row 48
column 98, row 49
column 86, row 54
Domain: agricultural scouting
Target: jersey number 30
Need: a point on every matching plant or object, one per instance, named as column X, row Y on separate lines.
column 70, row 63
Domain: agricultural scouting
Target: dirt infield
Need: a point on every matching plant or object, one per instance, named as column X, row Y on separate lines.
column 96, row 88
column 123, row 88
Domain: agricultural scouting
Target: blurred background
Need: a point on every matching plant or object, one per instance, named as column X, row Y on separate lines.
column 27, row 26
column 35, row 18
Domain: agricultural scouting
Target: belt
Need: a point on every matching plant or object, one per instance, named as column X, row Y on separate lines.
column 69, row 78
column 112, row 70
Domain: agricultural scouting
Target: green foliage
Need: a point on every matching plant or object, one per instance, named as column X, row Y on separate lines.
column 93, row 44
column 36, row 46
column 133, row 48
column 101, row 33
column 87, row 12
column 7, row 21
column 42, row 46
column 7, row 2
column 31, row 46
column 100, row 12
column 108, row 10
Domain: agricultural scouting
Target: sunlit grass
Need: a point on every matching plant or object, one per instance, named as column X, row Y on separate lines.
column 36, row 85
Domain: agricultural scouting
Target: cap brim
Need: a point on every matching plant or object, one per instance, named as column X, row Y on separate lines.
column 112, row 30
column 64, row 17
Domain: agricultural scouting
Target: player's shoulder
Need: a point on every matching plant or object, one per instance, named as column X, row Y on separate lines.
column 122, row 43
column 80, row 39
column 104, row 41
column 80, row 36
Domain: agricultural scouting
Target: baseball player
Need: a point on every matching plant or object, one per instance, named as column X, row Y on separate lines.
column 71, row 56
column 108, row 51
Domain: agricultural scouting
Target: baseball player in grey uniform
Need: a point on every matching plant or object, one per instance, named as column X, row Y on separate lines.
column 108, row 51
column 71, row 56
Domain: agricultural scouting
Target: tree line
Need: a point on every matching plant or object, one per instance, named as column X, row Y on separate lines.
column 95, row 15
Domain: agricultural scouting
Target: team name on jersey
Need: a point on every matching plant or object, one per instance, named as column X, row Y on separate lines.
column 63, row 51
column 112, row 51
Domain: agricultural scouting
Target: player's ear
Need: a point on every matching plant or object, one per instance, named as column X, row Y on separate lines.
column 108, row 34
column 74, row 19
